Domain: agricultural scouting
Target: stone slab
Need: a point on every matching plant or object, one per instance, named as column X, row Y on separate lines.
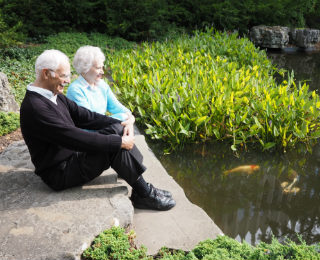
column 37, row 223
column 16, row 155
column 182, row 227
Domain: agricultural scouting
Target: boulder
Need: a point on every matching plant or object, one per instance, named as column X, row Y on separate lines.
column 304, row 38
column 275, row 37
column 7, row 100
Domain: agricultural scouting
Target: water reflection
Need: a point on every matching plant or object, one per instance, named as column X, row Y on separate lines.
column 306, row 65
column 251, row 207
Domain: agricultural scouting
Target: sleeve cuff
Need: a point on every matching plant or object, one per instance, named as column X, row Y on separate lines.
column 113, row 143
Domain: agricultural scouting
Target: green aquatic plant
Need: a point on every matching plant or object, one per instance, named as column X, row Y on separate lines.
column 213, row 87
column 201, row 88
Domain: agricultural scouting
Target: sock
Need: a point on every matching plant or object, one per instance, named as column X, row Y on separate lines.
column 141, row 187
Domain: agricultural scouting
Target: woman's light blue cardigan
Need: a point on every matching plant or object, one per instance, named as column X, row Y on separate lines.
column 99, row 99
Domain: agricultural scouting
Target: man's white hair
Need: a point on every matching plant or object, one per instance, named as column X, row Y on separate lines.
column 85, row 58
column 50, row 59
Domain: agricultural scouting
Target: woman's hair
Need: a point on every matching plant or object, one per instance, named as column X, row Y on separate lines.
column 50, row 59
column 85, row 58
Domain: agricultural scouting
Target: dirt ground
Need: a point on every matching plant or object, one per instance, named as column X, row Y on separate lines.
column 5, row 140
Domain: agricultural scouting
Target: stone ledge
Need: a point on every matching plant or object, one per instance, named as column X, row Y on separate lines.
column 37, row 223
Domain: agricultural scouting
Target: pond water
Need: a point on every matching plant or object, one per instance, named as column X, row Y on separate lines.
column 280, row 198
column 306, row 65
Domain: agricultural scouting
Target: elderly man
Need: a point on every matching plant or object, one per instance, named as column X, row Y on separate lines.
column 63, row 153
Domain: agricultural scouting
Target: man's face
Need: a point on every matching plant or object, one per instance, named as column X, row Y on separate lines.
column 59, row 78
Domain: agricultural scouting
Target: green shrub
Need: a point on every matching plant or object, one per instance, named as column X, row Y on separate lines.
column 10, row 35
column 192, row 89
column 222, row 247
column 114, row 243
column 18, row 62
column 19, row 73
column 8, row 122
column 136, row 19
column 213, row 87
column 144, row 20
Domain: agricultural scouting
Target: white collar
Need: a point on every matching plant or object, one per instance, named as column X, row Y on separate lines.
column 43, row 92
column 85, row 83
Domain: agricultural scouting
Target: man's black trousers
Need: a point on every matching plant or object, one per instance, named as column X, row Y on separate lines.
column 82, row 167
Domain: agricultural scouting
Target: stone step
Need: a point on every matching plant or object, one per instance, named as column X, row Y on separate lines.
column 37, row 223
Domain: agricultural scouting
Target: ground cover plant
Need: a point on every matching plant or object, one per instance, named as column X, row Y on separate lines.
column 115, row 243
column 8, row 122
column 213, row 86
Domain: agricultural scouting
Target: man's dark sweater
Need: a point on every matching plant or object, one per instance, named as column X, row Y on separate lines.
column 54, row 132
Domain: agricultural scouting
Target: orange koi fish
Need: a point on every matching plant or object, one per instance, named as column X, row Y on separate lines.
column 248, row 169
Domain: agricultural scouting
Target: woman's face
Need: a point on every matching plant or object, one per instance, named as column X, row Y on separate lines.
column 95, row 73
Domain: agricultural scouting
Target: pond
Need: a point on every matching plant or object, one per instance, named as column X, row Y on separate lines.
column 306, row 65
column 278, row 196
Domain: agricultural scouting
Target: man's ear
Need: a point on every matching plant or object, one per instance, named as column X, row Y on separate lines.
column 46, row 73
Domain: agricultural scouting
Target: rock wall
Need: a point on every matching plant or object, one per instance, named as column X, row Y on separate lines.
column 278, row 37
column 270, row 37
column 304, row 38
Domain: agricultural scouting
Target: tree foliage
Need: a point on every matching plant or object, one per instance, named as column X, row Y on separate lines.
column 9, row 36
column 142, row 20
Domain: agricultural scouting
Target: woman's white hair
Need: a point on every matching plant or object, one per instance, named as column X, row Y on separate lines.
column 85, row 58
column 50, row 59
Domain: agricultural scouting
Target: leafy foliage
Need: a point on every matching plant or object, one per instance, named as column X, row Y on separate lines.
column 114, row 243
column 9, row 36
column 192, row 89
column 213, row 87
column 143, row 20
column 18, row 62
column 135, row 19
column 8, row 122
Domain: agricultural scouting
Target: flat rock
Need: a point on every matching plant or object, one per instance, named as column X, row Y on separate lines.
column 37, row 223
column 16, row 155
column 182, row 227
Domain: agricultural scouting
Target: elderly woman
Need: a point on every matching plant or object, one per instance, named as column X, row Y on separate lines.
column 89, row 90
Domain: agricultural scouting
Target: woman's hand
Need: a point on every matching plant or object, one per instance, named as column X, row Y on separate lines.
column 127, row 142
column 128, row 125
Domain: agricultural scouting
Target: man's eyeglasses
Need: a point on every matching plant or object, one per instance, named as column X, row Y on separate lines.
column 62, row 76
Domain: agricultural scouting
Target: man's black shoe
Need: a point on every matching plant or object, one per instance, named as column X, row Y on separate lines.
column 154, row 201
column 162, row 192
